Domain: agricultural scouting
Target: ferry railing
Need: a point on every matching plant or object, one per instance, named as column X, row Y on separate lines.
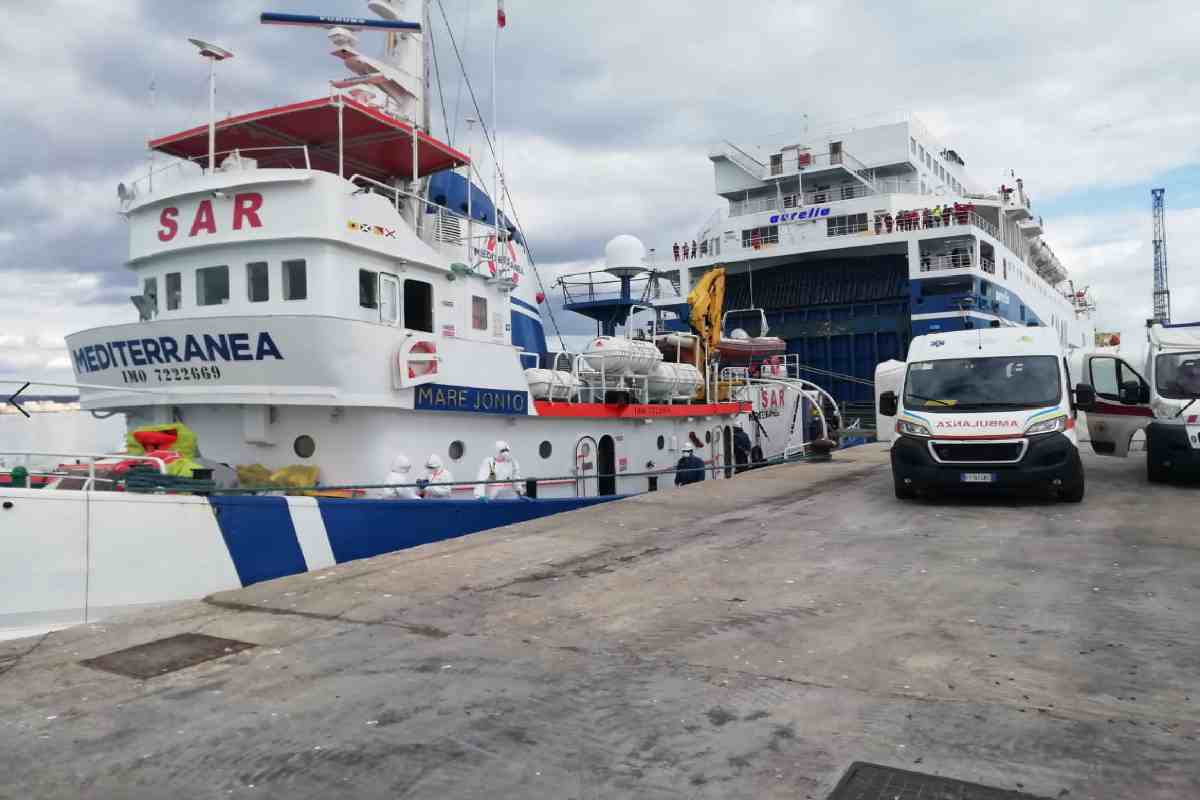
column 947, row 261
column 92, row 458
column 179, row 168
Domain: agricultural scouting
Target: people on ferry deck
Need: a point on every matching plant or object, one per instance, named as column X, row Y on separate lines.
column 399, row 473
column 500, row 467
column 925, row 218
column 741, row 449
column 878, row 224
column 435, row 473
column 946, row 214
column 888, row 221
column 689, row 469
column 693, row 248
column 937, row 214
column 675, row 250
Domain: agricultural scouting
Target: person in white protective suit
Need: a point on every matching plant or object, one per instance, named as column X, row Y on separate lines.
column 401, row 472
column 500, row 467
column 436, row 473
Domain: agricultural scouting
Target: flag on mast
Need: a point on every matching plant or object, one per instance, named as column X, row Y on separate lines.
column 501, row 19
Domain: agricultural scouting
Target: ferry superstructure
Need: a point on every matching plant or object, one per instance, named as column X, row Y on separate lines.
column 836, row 237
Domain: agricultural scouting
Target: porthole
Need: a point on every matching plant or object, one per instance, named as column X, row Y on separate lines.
column 457, row 449
column 708, row 437
column 662, row 442
column 304, row 446
column 545, row 449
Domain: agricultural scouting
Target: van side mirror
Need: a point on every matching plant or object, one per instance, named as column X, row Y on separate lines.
column 888, row 403
column 1085, row 397
column 1131, row 393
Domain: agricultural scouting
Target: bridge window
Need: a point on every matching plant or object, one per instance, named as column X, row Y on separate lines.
column 368, row 289
column 418, row 306
column 295, row 280
column 257, row 286
column 212, row 286
column 174, row 290
column 479, row 317
column 150, row 295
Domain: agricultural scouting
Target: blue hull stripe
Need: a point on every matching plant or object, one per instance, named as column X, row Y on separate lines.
column 526, row 306
column 259, row 534
column 365, row 528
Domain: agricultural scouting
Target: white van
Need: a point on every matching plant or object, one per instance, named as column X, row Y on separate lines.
column 986, row 409
column 1152, row 386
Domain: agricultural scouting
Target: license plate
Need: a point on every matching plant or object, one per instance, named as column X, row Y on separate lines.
column 979, row 477
column 1193, row 432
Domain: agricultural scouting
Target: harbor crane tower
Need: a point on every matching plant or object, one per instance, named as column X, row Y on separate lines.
column 1162, row 295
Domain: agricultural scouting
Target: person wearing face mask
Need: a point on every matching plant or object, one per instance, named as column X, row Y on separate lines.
column 500, row 467
column 399, row 473
column 435, row 473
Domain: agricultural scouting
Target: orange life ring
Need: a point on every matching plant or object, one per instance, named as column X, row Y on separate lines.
column 424, row 366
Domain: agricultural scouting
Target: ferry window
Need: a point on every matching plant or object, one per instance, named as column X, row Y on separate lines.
column 479, row 317
column 212, row 286
column 544, row 449
column 150, row 295
column 295, row 280
column 174, row 290
column 257, row 282
column 457, row 448
column 418, row 306
column 850, row 223
column 756, row 237
column 368, row 289
column 912, row 144
column 776, row 163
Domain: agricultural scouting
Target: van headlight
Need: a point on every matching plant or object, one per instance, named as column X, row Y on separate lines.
column 908, row 428
column 1052, row 425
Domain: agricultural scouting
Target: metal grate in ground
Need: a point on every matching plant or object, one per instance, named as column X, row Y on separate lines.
column 161, row 656
column 863, row 781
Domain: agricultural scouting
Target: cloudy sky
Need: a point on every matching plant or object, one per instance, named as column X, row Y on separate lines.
column 607, row 111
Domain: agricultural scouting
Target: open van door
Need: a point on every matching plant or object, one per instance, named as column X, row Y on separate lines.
column 1121, row 406
column 889, row 377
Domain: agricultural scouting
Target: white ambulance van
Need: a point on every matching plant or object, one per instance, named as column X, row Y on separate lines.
column 988, row 409
column 1152, row 386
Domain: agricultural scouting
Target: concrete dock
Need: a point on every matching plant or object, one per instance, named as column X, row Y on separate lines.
column 746, row 638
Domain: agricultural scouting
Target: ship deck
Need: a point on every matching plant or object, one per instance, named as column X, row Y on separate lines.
column 744, row 638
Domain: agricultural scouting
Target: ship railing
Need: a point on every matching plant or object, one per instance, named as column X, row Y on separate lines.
column 821, row 196
column 477, row 229
column 81, row 459
column 953, row 219
column 948, row 261
column 194, row 166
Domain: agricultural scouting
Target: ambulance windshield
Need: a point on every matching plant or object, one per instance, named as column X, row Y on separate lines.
column 973, row 384
column 1177, row 375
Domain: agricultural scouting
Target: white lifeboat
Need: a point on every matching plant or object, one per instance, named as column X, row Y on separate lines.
column 617, row 355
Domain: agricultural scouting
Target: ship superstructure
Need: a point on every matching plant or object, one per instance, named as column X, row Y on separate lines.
column 857, row 239
column 319, row 285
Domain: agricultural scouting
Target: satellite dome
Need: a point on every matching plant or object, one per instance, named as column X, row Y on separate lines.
column 624, row 255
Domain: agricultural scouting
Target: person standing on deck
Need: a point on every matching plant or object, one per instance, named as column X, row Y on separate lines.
column 500, row 467
column 436, row 473
column 399, row 473
column 690, row 469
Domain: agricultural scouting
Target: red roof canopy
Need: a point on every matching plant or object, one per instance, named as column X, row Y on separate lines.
column 374, row 144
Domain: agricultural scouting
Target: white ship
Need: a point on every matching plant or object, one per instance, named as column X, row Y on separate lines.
column 321, row 289
column 855, row 239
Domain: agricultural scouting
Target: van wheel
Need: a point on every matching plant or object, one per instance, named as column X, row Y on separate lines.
column 904, row 491
column 1073, row 491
